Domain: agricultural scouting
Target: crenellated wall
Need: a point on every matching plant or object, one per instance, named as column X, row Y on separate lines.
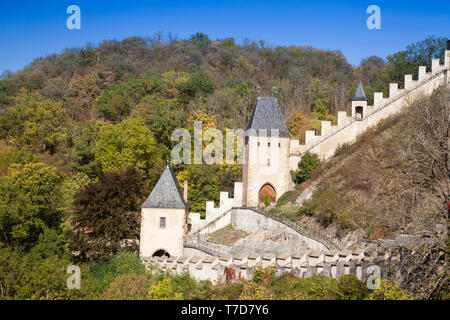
column 349, row 127
column 216, row 217
column 331, row 263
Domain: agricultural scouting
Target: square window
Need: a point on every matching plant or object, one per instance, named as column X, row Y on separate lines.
column 162, row 222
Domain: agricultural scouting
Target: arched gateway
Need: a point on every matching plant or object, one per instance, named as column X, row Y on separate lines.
column 267, row 190
column 160, row 253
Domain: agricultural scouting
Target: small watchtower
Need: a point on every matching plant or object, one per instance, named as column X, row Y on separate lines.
column 164, row 218
column 359, row 103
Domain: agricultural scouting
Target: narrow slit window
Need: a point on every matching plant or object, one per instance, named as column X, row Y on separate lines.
column 162, row 222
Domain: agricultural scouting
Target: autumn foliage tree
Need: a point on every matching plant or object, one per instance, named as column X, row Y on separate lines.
column 106, row 213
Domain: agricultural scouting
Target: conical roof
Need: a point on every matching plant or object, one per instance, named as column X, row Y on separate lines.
column 267, row 115
column 166, row 193
column 360, row 94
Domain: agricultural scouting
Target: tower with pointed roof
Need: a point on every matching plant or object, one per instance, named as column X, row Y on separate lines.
column 164, row 218
column 359, row 103
column 266, row 172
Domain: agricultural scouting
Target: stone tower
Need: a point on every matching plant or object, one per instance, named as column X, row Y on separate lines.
column 164, row 218
column 359, row 103
column 266, row 169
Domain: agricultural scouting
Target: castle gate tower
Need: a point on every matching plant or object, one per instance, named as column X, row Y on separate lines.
column 266, row 169
column 164, row 218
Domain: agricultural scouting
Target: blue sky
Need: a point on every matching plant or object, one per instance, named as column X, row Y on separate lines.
column 31, row 29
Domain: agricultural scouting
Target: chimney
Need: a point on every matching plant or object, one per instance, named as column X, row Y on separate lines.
column 185, row 191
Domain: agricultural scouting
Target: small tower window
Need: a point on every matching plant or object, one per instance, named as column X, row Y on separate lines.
column 279, row 144
column 268, row 144
column 268, row 162
column 162, row 222
column 258, row 143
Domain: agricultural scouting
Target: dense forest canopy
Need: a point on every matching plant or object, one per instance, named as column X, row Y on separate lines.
column 71, row 123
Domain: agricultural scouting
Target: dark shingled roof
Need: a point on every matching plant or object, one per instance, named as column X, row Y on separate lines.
column 267, row 115
column 359, row 94
column 166, row 193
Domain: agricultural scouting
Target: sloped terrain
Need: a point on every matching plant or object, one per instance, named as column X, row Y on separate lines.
column 393, row 180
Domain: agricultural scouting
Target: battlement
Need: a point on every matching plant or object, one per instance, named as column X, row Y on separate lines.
column 213, row 213
column 331, row 263
column 349, row 127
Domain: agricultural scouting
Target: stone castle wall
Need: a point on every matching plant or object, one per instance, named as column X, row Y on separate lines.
column 348, row 128
column 330, row 263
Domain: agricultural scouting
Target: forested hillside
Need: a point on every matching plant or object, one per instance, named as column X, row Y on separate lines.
column 77, row 128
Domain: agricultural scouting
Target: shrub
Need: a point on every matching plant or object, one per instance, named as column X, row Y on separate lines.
column 165, row 289
column 192, row 289
column 128, row 287
column 307, row 164
column 261, row 275
column 287, row 197
column 387, row 291
column 317, row 287
column 230, row 290
column 351, row 288
column 266, row 201
column 104, row 273
column 345, row 148
column 254, row 291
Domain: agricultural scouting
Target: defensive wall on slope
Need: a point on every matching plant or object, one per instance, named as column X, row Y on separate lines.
column 348, row 127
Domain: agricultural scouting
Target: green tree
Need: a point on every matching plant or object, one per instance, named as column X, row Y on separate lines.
column 129, row 143
column 197, row 84
column 103, row 274
column 30, row 201
column 117, row 100
column 82, row 154
column 307, row 164
column 203, row 185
